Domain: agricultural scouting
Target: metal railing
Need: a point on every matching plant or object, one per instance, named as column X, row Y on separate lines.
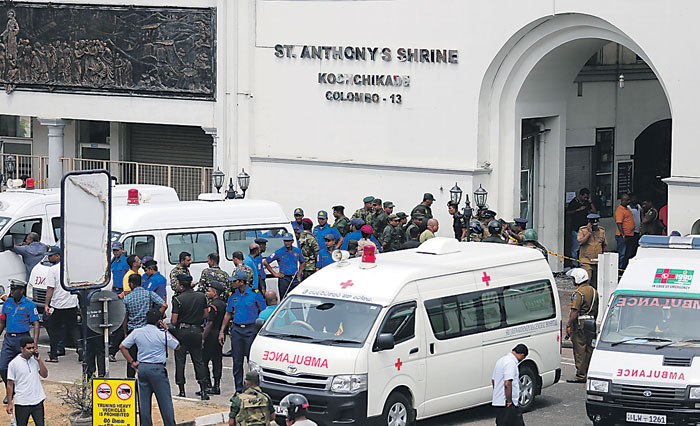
column 188, row 181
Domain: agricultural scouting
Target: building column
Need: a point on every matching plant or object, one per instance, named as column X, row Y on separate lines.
column 213, row 132
column 55, row 127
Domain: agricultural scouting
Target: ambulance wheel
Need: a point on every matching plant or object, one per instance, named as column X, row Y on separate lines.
column 398, row 411
column 528, row 388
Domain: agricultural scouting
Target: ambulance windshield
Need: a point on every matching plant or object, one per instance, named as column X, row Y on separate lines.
column 648, row 319
column 322, row 320
column 3, row 222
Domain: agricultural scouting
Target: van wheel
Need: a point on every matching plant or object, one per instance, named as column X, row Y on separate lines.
column 528, row 383
column 397, row 411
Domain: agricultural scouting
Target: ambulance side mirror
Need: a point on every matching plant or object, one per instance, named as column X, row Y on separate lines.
column 384, row 342
column 6, row 242
column 589, row 329
column 259, row 324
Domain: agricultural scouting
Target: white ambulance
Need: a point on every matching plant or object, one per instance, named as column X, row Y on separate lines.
column 209, row 225
column 645, row 368
column 414, row 335
column 39, row 210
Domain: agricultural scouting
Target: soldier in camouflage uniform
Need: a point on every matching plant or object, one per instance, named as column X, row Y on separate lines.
column 392, row 235
column 381, row 217
column 424, row 206
column 366, row 212
column 252, row 406
column 240, row 265
column 342, row 223
column 213, row 274
column 309, row 248
column 484, row 217
column 403, row 220
column 182, row 268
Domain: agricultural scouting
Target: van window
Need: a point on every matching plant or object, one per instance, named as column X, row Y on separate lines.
column 199, row 244
column 56, row 225
column 20, row 229
column 401, row 322
column 140, row 245
column 528, row 302
column 470, row 313
column 240, row 240
column 3, row 221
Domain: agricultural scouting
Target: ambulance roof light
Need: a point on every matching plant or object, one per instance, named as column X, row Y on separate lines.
column 29, row 183
column 132, row 197
column 662, row 241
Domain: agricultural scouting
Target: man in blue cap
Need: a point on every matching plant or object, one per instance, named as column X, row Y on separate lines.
column 323, row 229
column 356, row 235
column 19, row 314
column 244, row 306
column 325, row 257
column 258, row 258
column 366, row 212
column 290, row 261
column 298, row 217
column 119, row 267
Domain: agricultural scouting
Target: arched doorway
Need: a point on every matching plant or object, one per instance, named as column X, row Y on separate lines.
column 526, row 98
column 652, row 161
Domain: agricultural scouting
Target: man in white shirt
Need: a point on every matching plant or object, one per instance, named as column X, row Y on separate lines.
column 61, row 307
column 24, row 385
column 506, row 387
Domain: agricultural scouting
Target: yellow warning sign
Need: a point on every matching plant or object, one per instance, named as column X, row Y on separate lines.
column 114, row 402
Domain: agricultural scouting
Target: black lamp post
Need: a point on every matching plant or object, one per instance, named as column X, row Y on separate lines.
column 456, row 197
column 243, row 182
column 218, row 176
column 10, row 166
column 480, row 196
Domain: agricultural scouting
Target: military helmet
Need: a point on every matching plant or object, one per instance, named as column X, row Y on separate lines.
column 530, row 235
column 296, row 405
column 495, row 227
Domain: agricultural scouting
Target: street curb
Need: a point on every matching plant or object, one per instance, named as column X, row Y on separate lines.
column 207, row 420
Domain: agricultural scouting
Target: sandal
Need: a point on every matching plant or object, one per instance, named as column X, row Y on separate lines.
column 52, row 360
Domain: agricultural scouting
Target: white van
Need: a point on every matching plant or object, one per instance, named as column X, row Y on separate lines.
column 164, row 230
column 39, row 210
column 415, row 336
column 646, row 364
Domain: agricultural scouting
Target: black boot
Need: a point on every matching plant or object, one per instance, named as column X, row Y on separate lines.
column 182, row 391
column 207, row 387
column 215, row 390
column 203, row 392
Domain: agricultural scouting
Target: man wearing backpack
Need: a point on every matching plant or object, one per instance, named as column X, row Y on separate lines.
column 251, row 407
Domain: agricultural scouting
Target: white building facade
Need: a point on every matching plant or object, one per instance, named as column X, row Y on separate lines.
column 325, row 102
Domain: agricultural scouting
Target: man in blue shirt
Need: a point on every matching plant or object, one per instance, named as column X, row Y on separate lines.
column 272, row 302
column 244, row 306
column 119, row 266
column 32, row 250
column 249, row 261
column 356, row 235
column 138, row 302
column 151, row 341
column 296, row 223
column 18, row 315
column 152, row 280
column 324, row 256
column 323, row 229
column 262, row 246
column 290, row 261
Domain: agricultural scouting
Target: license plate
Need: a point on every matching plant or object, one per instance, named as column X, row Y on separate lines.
column 646, row 418
column 281, row 411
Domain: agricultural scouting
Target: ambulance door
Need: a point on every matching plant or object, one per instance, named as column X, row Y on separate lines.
column 454, row 355
column 12, row 265
column 404, row 364
column 52, row 233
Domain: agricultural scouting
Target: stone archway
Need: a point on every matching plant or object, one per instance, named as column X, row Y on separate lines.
column 531, row 77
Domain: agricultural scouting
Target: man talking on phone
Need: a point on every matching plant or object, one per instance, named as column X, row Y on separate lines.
column 26, row 395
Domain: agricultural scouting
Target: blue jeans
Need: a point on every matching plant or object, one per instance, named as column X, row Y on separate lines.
column 153, row 378
column 574, row 249
column 621, row 251
column 241, row 341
